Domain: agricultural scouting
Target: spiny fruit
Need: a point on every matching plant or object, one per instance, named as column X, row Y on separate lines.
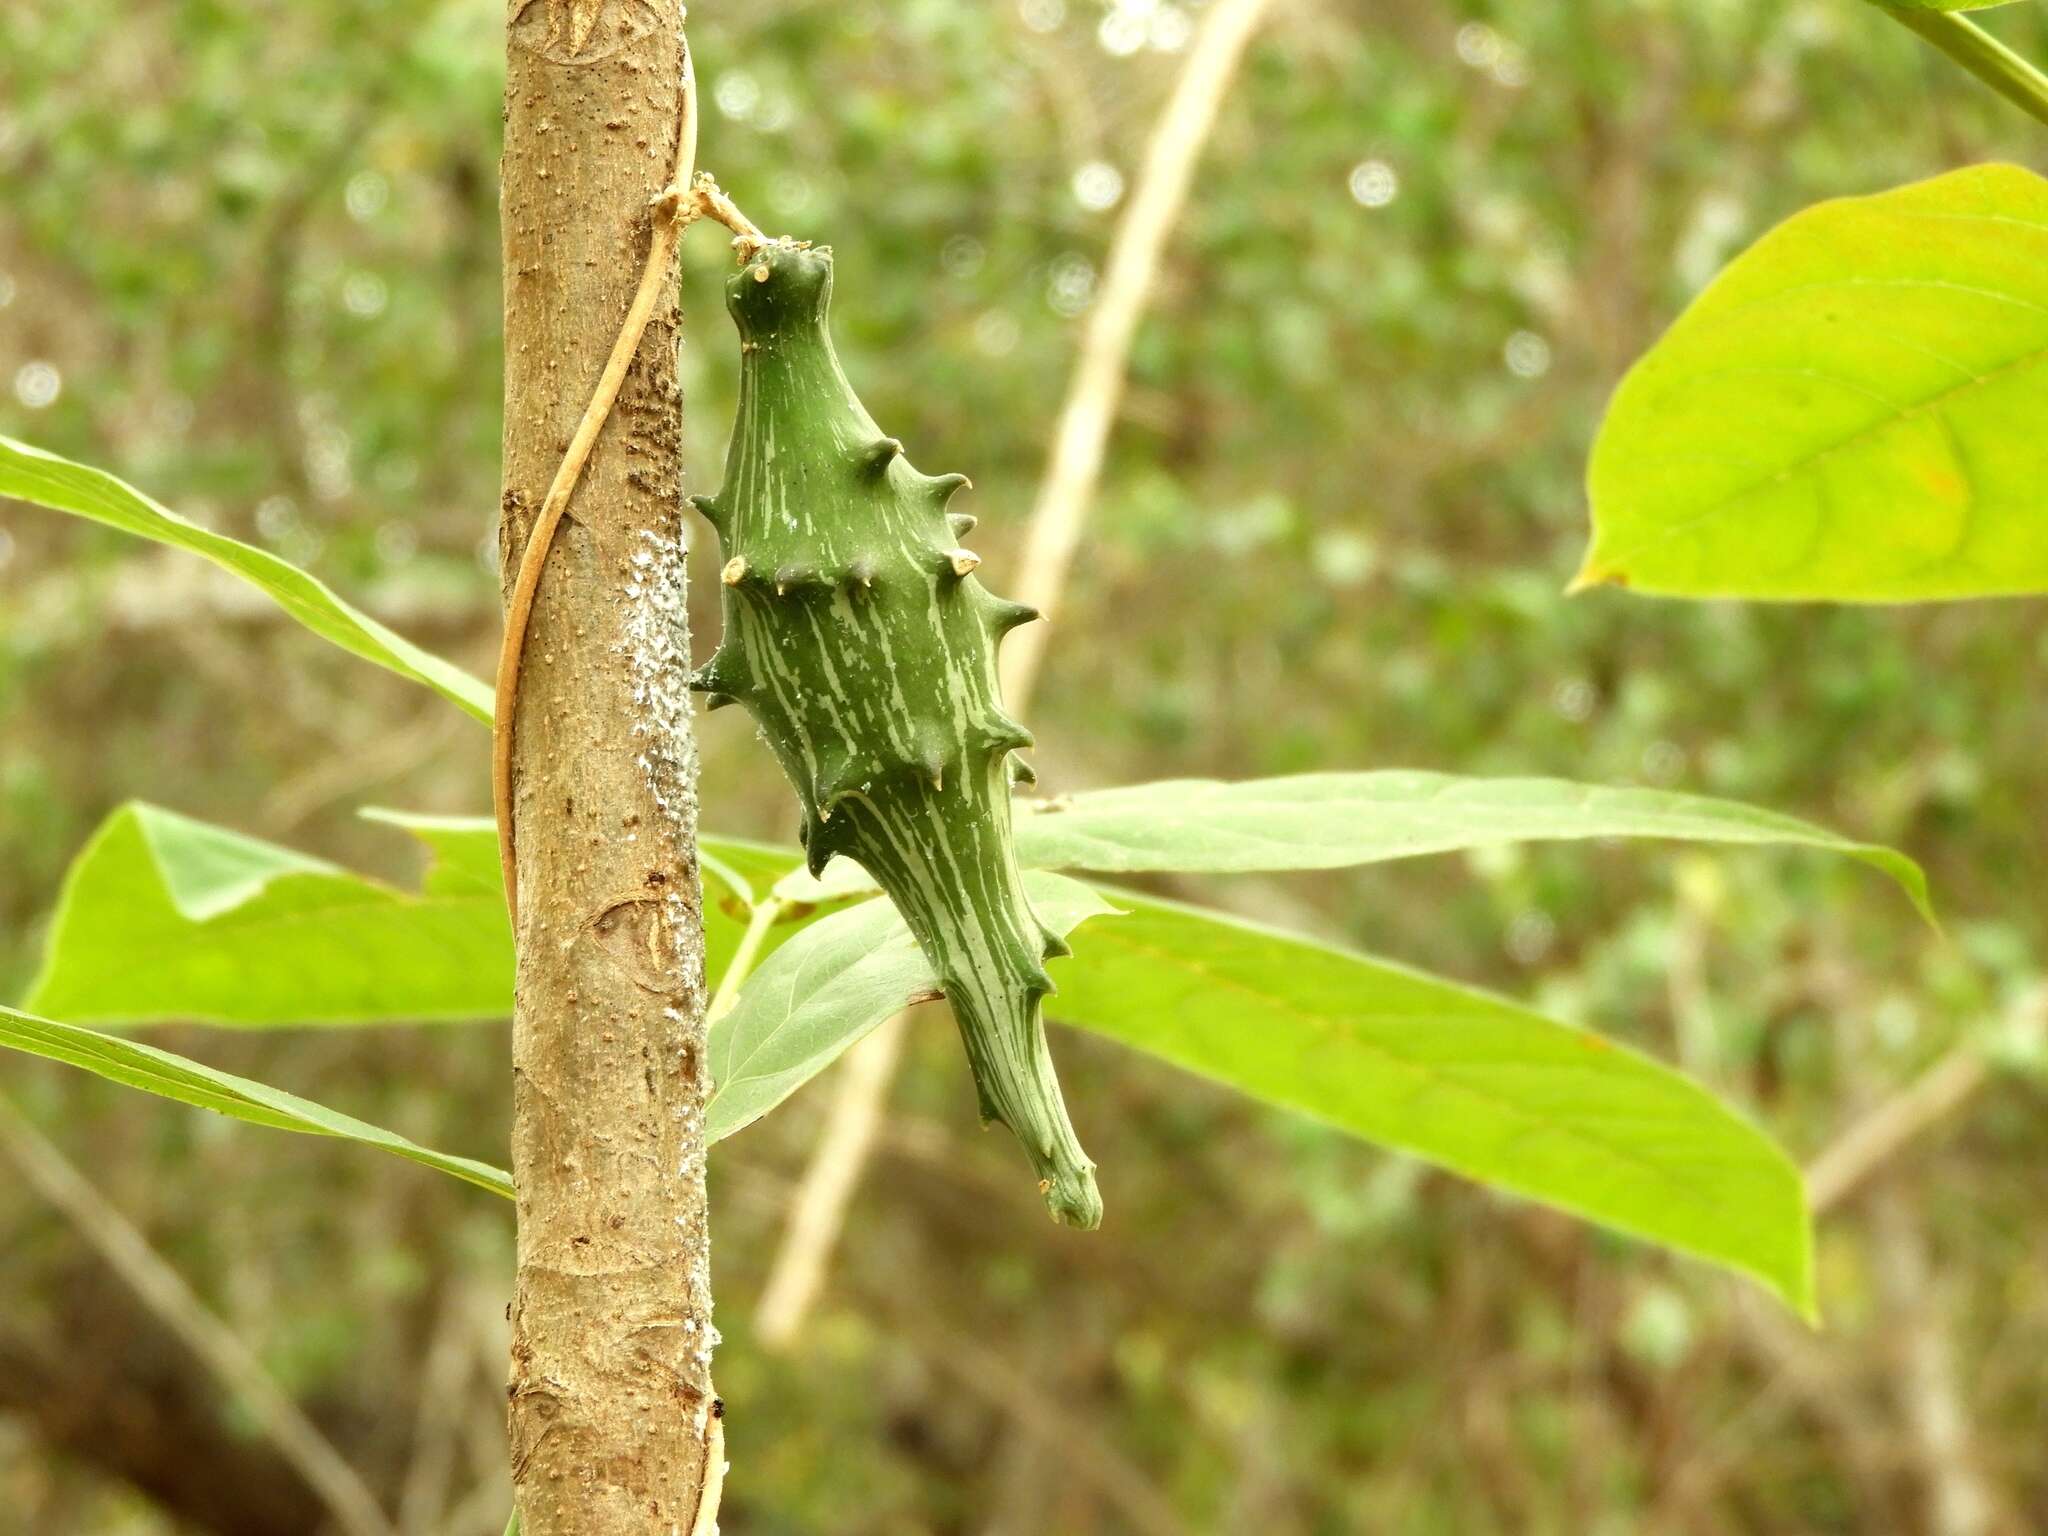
column 858, row 636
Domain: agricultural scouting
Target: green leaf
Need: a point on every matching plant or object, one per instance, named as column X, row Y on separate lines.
column 1459, row 1078
column 174, row 1077
column 32, row 475
column 1330, row 820
column 830, row 985
column 1851, row 411
column 166, row 918
column 163, row 918
column 1448, row 1074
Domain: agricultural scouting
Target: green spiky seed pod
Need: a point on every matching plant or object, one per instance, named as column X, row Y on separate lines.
column 860, row 640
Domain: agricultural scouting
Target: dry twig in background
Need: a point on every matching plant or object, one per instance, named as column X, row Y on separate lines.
column 164, row 1291
column 1851, row 1158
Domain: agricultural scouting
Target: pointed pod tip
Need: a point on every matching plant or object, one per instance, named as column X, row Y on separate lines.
column 1072, row 1197
column 931, row 766
column 1005, row 615
column 721, row 678
column 837, row 783
column 818, row 849
column 708, row 508
column 1000, row 732
column 879, row 455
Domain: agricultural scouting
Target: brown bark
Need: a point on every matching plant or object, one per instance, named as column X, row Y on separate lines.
column 611, row 1401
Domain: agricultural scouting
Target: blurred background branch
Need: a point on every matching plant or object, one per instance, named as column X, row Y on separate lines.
column 214, row 1345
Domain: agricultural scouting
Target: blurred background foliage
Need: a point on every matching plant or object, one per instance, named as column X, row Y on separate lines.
column 248, row 260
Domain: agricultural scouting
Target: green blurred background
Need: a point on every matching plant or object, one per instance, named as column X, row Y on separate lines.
column 249, row 260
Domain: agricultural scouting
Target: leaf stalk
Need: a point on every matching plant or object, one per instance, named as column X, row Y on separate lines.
column 2010, row 74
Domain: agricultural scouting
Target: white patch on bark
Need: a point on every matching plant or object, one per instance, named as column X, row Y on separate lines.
column 657, row 646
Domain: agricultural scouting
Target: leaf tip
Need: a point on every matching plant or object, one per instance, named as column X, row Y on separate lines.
column 1905, row 872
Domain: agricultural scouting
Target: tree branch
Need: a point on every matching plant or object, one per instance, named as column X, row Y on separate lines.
column 611, row 1410
column 1850, row 1159
column 670, row 215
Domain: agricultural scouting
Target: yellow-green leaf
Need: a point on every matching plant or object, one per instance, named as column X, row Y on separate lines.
column 166, row 918
column 1460, row 1078
column 1851, row 411
column 1471, row 1082
column 170, row 1076
column 830, row 985
column 30, row 474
